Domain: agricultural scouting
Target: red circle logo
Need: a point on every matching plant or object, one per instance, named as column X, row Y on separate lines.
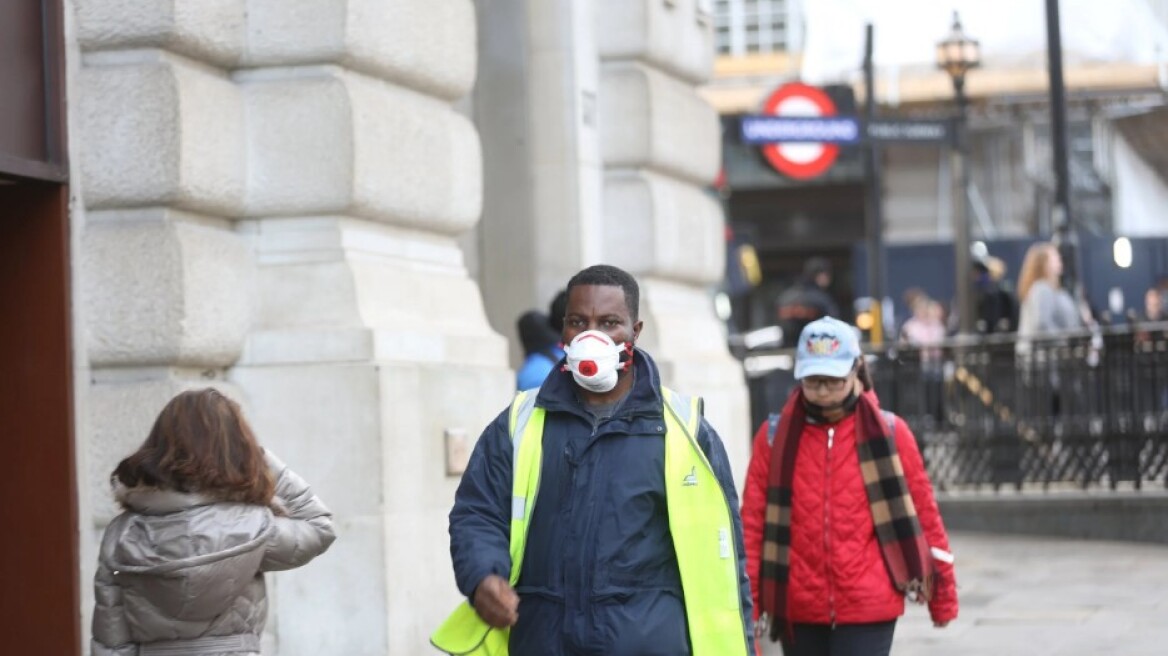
column 801, row 161
column 587, row 368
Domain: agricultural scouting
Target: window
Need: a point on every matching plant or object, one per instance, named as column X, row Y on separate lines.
column 750, row 26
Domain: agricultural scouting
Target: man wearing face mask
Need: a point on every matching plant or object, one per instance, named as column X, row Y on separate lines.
column 597, row 514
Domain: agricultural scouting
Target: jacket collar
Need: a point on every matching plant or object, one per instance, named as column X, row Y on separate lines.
column 150, row 500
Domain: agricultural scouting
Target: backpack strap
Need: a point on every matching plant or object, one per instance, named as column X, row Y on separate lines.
column 890, row 417
column 772, row 427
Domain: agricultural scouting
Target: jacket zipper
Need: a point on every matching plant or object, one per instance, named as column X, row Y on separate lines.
column 827, row 526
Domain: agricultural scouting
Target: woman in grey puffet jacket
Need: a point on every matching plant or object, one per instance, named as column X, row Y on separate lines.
column 207, row 512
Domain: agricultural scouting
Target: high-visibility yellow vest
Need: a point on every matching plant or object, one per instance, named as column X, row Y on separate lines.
column 699, row 521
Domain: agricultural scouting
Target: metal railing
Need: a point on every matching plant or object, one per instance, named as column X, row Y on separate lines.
column 1081, row 409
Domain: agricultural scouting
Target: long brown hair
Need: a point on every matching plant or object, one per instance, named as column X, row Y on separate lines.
column 1034, row 267
column 201, row 443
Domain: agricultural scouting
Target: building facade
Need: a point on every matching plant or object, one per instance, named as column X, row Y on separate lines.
column 335, row 211
column 1114, row 102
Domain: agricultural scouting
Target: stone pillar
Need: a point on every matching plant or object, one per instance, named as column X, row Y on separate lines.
column 536, row 108
column 273, row 195
column 661, row 146
column 164, row 282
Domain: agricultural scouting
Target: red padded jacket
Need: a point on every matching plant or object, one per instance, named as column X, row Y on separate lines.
column 837, row 572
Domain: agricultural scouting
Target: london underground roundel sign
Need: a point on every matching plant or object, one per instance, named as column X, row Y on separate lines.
column 801, row 161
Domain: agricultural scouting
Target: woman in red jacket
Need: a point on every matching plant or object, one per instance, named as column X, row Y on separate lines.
column 838, row 512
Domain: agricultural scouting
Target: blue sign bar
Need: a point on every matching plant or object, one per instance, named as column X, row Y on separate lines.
column 765, row 129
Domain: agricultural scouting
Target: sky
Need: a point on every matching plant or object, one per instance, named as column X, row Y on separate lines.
column 1012, row 33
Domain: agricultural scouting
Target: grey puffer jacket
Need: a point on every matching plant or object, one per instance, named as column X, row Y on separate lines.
column 182, row 574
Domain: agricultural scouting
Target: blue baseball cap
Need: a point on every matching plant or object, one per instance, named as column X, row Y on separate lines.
column 827, row 347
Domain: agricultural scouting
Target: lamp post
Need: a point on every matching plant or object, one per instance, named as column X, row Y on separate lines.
column 1064, row 229
column 956, row 55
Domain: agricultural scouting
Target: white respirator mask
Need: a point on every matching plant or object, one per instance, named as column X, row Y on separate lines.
column 594, row 360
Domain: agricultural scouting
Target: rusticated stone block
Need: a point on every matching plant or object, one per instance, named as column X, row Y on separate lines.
column 327, row 141
column 164, row 291
column 160, row 130
column 649, row 119
column 656, row 225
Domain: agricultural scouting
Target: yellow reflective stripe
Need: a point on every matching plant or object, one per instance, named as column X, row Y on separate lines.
column 527, row 441
column 701, row 525
column 521, row 411
column 687, row 417
column 687, row 410
column 521, row 408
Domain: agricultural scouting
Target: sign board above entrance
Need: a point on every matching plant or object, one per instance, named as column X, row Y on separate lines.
column 803, row 158
column 908, row 131
column 784, row 129
column 800, row 133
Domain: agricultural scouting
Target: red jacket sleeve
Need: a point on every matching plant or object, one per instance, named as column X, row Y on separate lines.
column 754, row 508
column 943, row 606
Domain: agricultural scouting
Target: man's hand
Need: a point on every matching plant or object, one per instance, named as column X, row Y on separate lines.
column 496, row 602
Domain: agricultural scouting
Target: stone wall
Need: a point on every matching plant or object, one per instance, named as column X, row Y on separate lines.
column 270, row 196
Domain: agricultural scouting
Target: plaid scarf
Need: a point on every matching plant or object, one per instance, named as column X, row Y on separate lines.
column 906, row 553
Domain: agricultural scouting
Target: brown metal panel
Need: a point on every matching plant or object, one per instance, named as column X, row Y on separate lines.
column 32, row 91
column 22, row 80
column 39, row 610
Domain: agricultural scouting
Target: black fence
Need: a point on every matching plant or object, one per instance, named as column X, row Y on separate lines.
column 1083, row 410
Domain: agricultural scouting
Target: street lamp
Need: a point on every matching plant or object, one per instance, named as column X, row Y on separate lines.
column 956, row 55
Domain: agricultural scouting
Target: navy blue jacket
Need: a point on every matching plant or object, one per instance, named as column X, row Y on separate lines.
column 599, row 574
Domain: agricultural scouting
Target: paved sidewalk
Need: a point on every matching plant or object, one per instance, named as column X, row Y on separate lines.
column 1032, row 596
column 1047, row 597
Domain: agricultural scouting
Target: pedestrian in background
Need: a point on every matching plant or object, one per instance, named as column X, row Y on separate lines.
column 541, row 349
column 838, row 512
column 1046, row 311
column 206, row 513
column 1007, row 301
column 806, row 300
column 556, row 310
column 925, row 331
column 996, row 308
column 1046, row 307
column 1153, row 305
column 598, row 514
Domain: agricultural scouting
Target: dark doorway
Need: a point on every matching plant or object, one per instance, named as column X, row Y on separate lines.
column 787, row 227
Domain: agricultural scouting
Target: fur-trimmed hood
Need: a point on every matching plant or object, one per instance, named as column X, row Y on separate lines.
column 150, row 500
